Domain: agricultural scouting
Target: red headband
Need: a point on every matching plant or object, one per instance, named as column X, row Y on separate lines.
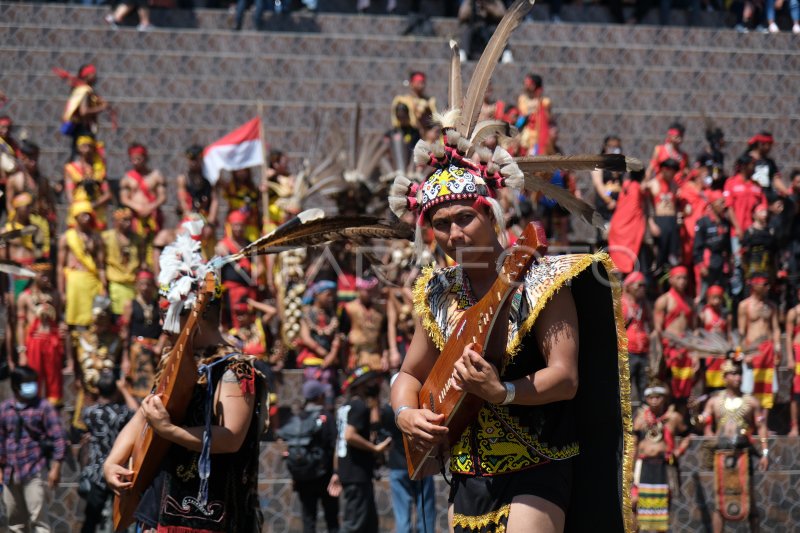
column 419, row 76
column 88, row 70
column 6, row 121
column 237, row 217
column 675, row 132
column 715, row 290
column 760, row 138
column 678, row 271
column 144, row 274
column 633, row 277
column 241, row 307
column 758, row 280
column 713, row 195
column 137, row 150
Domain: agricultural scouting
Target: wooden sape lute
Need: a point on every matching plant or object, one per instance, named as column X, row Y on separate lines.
column 176, row 386
column 475, row 326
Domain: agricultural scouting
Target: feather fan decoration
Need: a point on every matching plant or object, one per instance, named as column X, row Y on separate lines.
column 487, row 128
column 355, row 229
column 17, row 233
column 565, row 199
column 551, row 163
column 455, row 94
column 535, row 166
column 487, row 63
column 709, row 344
column 311, row 227
column 15, row 269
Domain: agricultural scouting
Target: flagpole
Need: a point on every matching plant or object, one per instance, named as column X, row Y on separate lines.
column 265, row 221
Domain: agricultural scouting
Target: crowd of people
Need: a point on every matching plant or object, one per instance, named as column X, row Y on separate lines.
column 479, row 17
column 698, row 244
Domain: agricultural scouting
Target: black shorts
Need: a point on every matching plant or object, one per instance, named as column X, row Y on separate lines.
column 477, row 496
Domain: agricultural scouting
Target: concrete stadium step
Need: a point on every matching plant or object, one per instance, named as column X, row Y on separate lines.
column 716, row 96
column 232, row 46
column 39, row 61
column 206, row 19
column 200, row 112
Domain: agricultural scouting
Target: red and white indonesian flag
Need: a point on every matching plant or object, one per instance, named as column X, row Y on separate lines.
column 241, row 148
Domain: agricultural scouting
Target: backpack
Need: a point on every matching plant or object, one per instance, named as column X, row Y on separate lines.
column 306, row 458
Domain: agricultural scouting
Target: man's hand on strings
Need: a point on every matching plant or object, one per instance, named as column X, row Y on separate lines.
column 156, row 414
column 474, row 374
column 422, row 427
column 117, row 477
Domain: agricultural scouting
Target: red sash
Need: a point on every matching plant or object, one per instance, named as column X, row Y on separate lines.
column 682, row 308
column 232, row 247
column 139, row 179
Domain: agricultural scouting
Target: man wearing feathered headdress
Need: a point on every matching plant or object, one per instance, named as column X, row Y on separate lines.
column 208, row 481
column 537, row 452
column 84, row 105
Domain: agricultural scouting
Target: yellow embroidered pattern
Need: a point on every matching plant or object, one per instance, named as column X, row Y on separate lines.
column 556, row 272
column 497, row 518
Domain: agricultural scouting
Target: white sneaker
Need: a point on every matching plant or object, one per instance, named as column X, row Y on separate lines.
column 507, row 57
column 796, row 28
column 773, row 28
column 110, row 21
column 741, row 28
column 145, row 27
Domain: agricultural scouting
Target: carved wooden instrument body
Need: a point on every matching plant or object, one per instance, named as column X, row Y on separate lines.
column 475, row 326
column 176, row 386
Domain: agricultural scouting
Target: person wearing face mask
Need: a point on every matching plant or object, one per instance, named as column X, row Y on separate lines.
column 32, row 448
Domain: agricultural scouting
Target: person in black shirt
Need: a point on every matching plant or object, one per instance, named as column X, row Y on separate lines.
column 355, row 451
column 712, row 243
column 142, row 335
column 766, row 171
column 406, row 493
column 759, row 245
column 195, row 192
column 104, row 421
column 312, row 471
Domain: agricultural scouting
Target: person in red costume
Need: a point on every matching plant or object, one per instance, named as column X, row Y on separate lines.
column 714, row 319
column 638, row 317
column 671, row 149
column 674, row 313
column 238, row 278
column 627, row 226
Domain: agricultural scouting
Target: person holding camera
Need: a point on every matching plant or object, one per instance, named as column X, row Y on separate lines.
column 32, row 448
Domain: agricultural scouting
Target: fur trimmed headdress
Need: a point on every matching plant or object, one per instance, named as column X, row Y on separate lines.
column 463, row 169
column 181, row 272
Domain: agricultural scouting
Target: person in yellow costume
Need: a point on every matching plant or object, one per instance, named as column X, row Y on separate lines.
column 125, row 254
column 85, row 181
column 81, row 266
column 27, row 248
